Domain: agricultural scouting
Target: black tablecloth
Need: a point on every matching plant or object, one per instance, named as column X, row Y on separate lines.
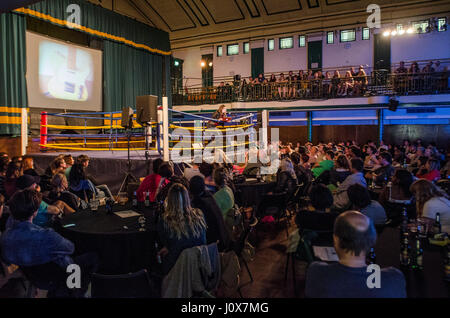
column 250, row 193
column 428, row 283
column 121, row 247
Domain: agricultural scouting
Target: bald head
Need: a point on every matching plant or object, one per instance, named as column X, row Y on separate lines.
column 355, row 232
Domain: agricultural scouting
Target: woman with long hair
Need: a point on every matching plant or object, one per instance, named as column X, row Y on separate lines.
column 28, row 166
column 179, row 227
column 59, row 192
column 430, row 200
column 431, row 171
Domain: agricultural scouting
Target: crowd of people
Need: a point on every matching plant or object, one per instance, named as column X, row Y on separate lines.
column 310, row 84
column 199, row 199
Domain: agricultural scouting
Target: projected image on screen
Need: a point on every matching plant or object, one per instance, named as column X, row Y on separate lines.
column 65, row 72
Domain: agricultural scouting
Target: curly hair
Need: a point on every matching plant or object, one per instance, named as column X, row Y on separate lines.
column 423, row 191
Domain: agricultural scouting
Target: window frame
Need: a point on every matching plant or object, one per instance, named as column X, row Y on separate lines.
column 268, row 45
column 362, row 34
column 328, row 37
column 299, row 40
column 246, row 44
column 221, row 51
column 445, row 22
column 424, row 31
column 347, row 30
column 284, row 38
column 228, row 47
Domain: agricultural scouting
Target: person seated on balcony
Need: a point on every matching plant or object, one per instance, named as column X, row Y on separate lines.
column 326, row 84
column 430, row 171
column 335, row 83
column 401, row 69
column 272, row 86
column 353, row 72
column 316, row 85
column 427, row 73
column 282, row 86
column 261, row 87
column 414, row 77
column 347, row 85
column 360, row 81
column 221, row 92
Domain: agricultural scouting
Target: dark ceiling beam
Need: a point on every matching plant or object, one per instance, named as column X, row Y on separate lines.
column 141, row 13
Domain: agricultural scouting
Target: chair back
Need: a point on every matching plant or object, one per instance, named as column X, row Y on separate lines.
column 132, row 285
column 49, row 276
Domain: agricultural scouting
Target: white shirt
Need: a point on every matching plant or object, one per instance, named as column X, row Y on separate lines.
column 439, row 205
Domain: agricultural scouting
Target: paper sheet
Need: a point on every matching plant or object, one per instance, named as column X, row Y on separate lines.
column 325, row 253
column 126, row 214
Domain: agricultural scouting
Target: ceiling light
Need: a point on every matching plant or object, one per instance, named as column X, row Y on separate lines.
column 401, row 32
column 410, row 30
column 202, row 64
column 386, row 33
column 394, row 33
column 210, row 64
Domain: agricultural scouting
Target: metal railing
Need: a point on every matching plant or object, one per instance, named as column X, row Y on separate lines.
column 378, row 83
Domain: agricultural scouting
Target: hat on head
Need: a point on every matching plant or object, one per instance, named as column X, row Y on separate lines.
column 26, row 181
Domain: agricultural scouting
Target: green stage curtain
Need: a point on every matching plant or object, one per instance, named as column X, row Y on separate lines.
column 107, row 21
column 13, row 93
column 127, row 73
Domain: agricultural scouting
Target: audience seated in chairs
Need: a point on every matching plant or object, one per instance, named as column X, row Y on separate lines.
column 286, row 179
column 341, row 200
column 360, row 198
column 46, row 212
column 354, row 236
column 151, row 183
column 13, row 172
column 224, row 196
column 168, row 179
column 180, row 226
column 203, row 200
column 431, row 200
column 430, row 171
column 28, row 166
column 59, row 192
column 30, row 246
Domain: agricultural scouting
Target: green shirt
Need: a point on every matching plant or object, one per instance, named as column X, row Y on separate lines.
column 323, row 166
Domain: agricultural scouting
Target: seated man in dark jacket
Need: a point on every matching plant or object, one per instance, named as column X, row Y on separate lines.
column 204, row 200
column 354, row 236
column 386, row 171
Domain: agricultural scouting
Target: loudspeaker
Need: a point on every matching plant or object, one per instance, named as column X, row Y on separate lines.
column 127, row 114
column 146, row 109
column 393, row 104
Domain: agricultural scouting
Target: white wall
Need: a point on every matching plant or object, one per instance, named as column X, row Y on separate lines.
column 359, row 52
column 427, row 46
column 407, row 47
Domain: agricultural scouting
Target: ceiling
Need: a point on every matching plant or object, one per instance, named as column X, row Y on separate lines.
column 203, row 22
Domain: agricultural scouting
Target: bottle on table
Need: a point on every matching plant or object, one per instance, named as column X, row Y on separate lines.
column 404, row 226
column 147, row 199
column 135, row 202
column 418, row 257
column 405, row 251
column 437, row 227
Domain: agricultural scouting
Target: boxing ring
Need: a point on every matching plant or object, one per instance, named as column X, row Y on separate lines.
column 101, row 134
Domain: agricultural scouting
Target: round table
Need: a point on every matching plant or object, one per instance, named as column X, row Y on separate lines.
column 120, row 244
column 428, row 283
column 250, row 193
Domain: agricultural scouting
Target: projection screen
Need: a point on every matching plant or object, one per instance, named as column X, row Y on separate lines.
column 62, row 75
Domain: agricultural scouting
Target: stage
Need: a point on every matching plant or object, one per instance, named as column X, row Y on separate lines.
column 107, row 167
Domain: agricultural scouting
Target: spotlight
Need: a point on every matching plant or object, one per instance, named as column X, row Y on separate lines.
column 202, row 64
column 394, row 33
column 176, row 63
column 401, row 32
column 410, row 31
column 210, row 64
column 386, row 33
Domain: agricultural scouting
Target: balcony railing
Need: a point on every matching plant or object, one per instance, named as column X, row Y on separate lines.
column 378, row 83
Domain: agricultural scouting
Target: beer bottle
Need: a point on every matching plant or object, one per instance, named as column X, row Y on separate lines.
column 147, row 199
column 419, row 256
column 404, row 226
column 437, row 228
column 135, row 202
column 404, row 251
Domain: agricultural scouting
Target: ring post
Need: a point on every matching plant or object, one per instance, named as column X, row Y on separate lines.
column 24, row 131
column 265, row 127
column 166, row 154
column 44, row 130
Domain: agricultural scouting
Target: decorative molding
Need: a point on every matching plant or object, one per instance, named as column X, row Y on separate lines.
column 279, row 12
column 165, row 22
column 220, row 22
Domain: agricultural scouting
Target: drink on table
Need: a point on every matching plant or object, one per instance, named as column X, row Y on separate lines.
column 437, row 227
column 418, row 260
column 135, row 202
column 405, row 251
column 404, row 226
